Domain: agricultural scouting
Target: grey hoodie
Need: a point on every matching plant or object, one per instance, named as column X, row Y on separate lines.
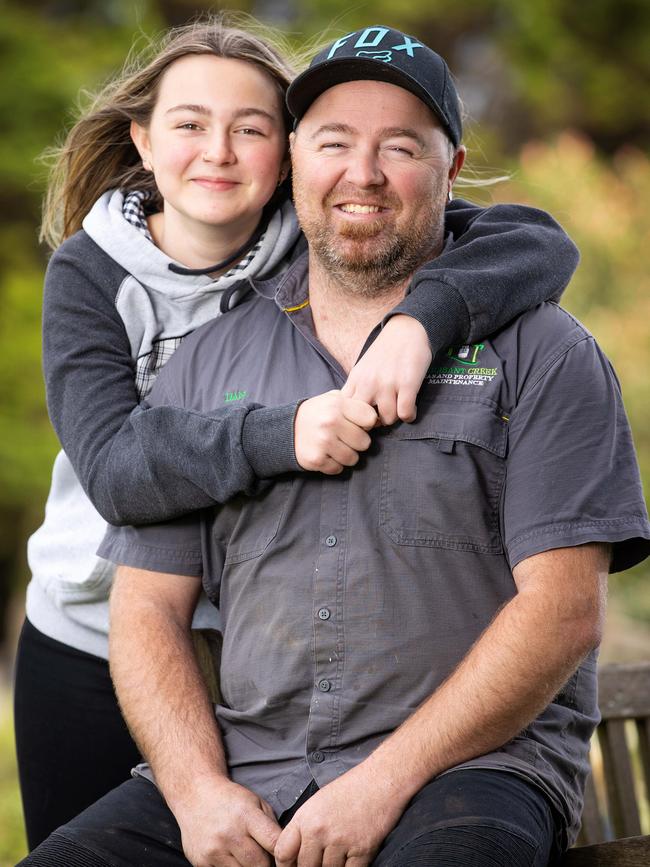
column 67, row 596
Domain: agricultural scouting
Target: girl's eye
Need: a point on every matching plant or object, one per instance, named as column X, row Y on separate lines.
column 247, row 130
column 190, row 125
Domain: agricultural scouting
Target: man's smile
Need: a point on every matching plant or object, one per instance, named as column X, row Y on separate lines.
column 353, row 208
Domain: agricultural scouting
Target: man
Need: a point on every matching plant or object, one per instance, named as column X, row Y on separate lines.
column 408, row 669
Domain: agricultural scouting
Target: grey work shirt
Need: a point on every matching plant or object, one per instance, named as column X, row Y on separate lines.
column 346, row 600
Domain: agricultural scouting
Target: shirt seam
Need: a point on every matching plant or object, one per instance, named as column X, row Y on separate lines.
column 128, row 276
column 552, row 529
column 552, row 360
column 176, row 552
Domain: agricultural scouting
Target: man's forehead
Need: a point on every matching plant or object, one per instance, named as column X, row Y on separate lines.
column 370, row 102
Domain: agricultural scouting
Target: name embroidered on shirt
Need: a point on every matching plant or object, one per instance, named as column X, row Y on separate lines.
column 229, row 396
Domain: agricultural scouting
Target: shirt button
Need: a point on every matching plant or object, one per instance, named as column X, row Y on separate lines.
column 330, row 541
column 324, row 685
column 324, row 613
column 317, row 756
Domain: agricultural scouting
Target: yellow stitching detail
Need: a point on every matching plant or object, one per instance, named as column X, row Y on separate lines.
column 297, row 307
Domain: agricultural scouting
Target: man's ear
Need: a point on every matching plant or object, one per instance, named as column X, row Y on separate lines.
column 140, row 138
column 457, row 164
column 285, row 168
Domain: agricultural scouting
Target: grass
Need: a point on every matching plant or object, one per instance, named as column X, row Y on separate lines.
column 12, row 836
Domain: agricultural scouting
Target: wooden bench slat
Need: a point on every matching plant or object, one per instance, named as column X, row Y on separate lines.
column 630, row 852
column 619, row 779
column 643, row 731
column 207, row 646
column 623, row 691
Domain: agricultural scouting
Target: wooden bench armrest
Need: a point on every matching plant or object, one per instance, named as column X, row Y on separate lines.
column 628, row 852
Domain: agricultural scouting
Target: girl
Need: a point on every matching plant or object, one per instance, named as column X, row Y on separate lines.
column 169, row 195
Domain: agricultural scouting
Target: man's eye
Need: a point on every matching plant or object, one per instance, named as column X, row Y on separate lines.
column 248, row 130
column 332, row 145
column 401, row 151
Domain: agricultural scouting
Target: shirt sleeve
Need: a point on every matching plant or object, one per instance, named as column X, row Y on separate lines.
column 137, row 464
column 502, row 261
column 572, row 475
column 173, row 547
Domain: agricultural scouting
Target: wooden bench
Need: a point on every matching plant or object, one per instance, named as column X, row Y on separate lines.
column 618, row 789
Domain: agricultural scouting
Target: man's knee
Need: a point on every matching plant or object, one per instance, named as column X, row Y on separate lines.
column 470, row 818
column 58, row 850
column 131, row 826
column 467, row 846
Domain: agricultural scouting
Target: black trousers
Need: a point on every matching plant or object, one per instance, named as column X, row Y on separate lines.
column 468, row 818
column 72, row 744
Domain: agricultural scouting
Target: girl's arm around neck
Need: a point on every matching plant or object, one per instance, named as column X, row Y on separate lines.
column 503, row 260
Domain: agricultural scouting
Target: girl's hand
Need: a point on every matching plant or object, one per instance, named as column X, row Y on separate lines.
column 390, row 373
column 330, row 430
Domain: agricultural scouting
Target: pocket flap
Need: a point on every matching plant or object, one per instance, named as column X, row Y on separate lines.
column 468, row 422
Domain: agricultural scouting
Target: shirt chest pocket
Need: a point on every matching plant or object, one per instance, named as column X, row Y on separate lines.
column 246, row 526
column 442, row 479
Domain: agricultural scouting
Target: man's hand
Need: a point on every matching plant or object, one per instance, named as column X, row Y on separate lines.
column 390, row 373
column 342, row 825
column 330, row 430
column 225, row 825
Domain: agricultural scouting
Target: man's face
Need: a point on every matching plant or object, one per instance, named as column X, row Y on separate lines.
column 371, row 171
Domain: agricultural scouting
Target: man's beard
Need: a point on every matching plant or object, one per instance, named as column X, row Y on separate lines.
column 364, row 267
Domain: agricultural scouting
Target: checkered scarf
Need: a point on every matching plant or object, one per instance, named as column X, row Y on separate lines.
column 135, row 208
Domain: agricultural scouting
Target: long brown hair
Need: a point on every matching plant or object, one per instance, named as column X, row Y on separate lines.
column 98, row 154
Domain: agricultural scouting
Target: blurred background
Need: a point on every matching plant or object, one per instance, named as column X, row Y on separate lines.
column 558, row 96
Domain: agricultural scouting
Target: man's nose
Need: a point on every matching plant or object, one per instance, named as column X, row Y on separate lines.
column 363, row 168
column 219, row 149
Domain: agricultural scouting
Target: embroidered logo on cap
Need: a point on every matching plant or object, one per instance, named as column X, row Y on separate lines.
column 372, row 37
column 386, row 56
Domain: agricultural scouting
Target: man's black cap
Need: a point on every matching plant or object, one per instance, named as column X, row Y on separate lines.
column 380, row 53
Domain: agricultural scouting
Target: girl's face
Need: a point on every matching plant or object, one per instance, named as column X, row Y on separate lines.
column 216, row 144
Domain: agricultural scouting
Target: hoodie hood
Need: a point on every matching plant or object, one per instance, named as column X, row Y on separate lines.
column 126, row 245
column 159, row 307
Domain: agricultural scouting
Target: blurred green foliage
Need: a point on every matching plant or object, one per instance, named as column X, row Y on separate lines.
column 44, row 61
column 12, row 835
column 46, row 57
column 528, row 68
